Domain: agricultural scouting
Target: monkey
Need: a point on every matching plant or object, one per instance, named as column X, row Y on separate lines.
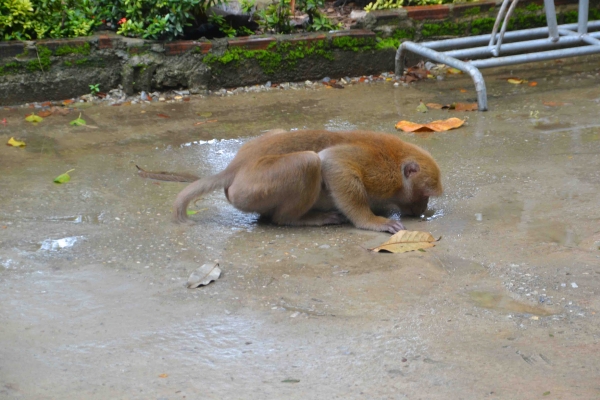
column 319, row 177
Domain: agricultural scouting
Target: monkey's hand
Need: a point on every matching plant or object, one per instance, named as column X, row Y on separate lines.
column 382, row 224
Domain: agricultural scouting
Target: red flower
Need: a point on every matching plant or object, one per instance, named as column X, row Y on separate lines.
column 122, row 20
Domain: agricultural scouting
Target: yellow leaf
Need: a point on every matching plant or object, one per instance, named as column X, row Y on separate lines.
column 454, row 71
column 405, row 241
column 163, row 375
column 435, row 126
column 15, row 143
column 33, row 118
column 516, row 81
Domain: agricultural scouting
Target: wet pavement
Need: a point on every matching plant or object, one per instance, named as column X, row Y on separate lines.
column 93, row 302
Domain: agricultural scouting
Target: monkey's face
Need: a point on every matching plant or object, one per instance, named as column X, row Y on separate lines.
column 416, row 208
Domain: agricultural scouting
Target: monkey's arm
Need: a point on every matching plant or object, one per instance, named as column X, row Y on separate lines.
column 342, row 171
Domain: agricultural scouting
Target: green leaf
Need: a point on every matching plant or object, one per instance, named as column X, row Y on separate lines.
column 63, row 178
column 422, row 107
column 34, row 118
column 78, row 121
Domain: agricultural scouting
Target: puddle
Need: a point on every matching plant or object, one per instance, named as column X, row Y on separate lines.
column 500, row 302
column 54, row 245
column 552, row 232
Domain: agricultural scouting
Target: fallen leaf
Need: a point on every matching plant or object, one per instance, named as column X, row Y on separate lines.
column 163, row 115
column 46, row 104
column 435, row 126
column 67, row 102
column 405, row 241
column 532, row 84
column 454, row 71
column 178, row 97
column 290, row 381
column 422, row 107
column 45, row 113
column 33, row 118
column 63, row 178
column 186, row 99
column 204, row 114
column 127, row 103
column 60, row 111
column 465, row 106
column 210, row 121
column 516, row 81
column 463, row 90
column 163, row 375
column 435, row 106
column 78, row 122
column 15, row 143
column 553, row 103
column 204, row 275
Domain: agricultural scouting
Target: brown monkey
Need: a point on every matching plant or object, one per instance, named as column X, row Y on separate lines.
column 317, row 177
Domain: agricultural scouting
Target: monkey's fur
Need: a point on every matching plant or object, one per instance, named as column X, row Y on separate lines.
column 317, row 177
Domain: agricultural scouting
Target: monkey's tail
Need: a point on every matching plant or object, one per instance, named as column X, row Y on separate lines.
column 196, row 189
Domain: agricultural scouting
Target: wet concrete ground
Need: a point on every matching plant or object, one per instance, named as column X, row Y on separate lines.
column 505, row 306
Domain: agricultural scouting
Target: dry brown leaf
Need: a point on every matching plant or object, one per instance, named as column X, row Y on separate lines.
column 45, row 113
column 435, row 126
column 405, row 241
column 434, row 106
column 465, row 106
column 67, row 102
column 463, row 90
column 532, row 83
column 163, row 115
column 59, row 111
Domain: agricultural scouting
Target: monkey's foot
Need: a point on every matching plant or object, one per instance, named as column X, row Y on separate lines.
column 333, row 218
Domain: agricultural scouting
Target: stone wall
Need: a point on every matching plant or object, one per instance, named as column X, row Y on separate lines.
column 60, row 69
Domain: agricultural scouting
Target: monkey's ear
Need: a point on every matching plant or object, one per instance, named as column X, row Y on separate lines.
column 411, row 168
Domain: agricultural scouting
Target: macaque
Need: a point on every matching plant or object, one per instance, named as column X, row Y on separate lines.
column 317, row 177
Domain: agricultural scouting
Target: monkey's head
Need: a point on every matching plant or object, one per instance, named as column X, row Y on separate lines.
column 421, row 181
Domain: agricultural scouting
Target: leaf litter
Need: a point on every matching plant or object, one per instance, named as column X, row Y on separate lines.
column 405, row 241
column 434, row 126
column 204, row 275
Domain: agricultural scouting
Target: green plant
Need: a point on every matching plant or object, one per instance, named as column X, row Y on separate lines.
column 39, row 19
column 276, row 17
column 152, row 19
column 316, row 20
column 383, row 5
column 224, row 27
column 247, row 6
column 94, row 89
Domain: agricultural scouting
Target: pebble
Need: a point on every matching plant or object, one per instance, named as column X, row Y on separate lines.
column 118, row 96
column 574, row 285
column 324, row 246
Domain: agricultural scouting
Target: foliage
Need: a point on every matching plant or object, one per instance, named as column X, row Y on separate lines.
column 39, row 19
column 383, row 5
column 94, row 89
column 316, row 20
column 224, row 27
column 276, row 17
column 152, row 19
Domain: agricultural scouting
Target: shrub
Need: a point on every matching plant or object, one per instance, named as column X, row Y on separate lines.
column 39, row 19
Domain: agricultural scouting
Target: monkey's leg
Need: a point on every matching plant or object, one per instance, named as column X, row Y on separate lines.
column 343, row 175
column 282, row 187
